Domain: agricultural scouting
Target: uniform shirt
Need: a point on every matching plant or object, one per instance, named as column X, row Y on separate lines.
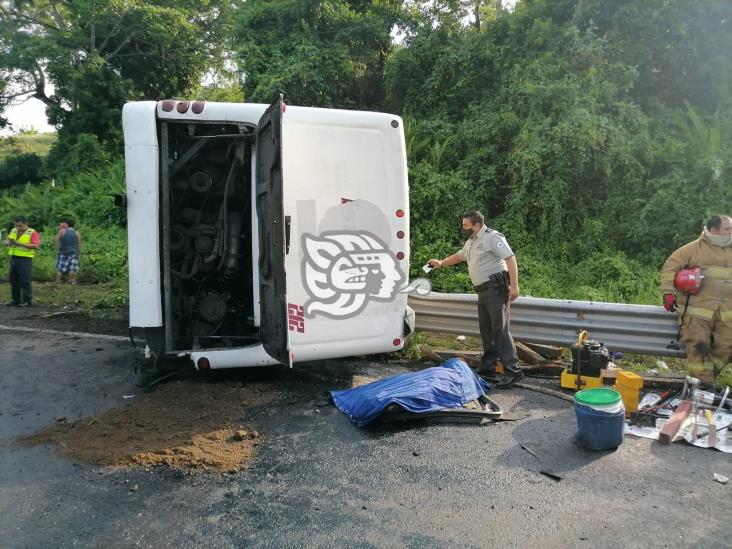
column 486, row 254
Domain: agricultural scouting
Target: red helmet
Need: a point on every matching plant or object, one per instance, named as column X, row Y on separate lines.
column 689, row 281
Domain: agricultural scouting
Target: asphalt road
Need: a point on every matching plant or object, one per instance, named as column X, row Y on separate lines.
column 318, row 481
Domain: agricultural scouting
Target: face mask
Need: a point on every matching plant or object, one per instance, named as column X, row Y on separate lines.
column 466, row 233
column 721, row 240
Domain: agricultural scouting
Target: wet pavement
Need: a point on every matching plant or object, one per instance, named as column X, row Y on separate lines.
column 317, row 480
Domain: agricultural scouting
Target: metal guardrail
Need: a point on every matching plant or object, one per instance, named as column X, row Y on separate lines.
column 642, row 329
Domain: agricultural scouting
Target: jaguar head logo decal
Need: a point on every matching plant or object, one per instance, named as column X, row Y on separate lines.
column 343, row 271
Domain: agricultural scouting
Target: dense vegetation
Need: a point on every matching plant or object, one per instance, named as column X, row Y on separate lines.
column 596, row 135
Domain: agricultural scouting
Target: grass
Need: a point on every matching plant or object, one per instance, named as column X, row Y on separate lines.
column 38, row 143
column 80, row 297
column 437, row 341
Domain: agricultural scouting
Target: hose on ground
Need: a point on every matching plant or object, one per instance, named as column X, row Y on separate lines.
column 546, row 391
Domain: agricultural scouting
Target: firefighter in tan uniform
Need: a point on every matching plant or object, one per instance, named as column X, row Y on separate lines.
column 706, row 322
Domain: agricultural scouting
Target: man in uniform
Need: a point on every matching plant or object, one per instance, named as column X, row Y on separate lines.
column 706, row 319
column 22, row 243
column 494, row 274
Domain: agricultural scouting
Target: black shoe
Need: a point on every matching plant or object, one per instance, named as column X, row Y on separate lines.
column 23, row 305
column 509, row 378
column 486, row 371
column 12, row 304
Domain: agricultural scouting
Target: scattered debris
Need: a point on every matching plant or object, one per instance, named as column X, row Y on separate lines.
column 240, row 435
column 460, row 338
column 134, row 488
column 721, row 478
column 672, row 426
column 128, row 396
column 542, row 470
column 61, row 418
column 547, row 351
column 472, row 358
column 528, row 355
column 650, row 379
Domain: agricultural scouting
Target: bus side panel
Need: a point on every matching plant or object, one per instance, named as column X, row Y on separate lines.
column 346, row 194
column 142, row 167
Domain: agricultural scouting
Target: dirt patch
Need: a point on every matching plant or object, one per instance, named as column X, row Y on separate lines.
column 97, row 322
column 183, row 424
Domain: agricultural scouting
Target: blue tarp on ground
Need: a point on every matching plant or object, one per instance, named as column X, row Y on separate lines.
column 451, row 385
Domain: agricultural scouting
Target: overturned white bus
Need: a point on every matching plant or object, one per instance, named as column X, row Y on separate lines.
column 266, row 234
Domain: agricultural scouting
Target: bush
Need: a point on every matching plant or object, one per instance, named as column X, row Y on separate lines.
column 73, row 155
column 608, row 277
column 86, row 197
column 104, row 254
column 20, row 168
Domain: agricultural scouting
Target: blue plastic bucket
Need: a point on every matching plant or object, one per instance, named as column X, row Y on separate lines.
column 600, row 418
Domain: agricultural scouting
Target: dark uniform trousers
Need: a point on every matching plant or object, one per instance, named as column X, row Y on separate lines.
column 21, row 269
column 493, row 318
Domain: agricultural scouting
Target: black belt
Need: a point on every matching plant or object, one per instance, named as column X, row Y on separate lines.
column 496, row 279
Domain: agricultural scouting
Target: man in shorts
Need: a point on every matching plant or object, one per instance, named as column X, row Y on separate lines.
column 68, row 247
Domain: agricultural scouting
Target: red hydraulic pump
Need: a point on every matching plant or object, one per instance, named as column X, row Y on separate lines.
column 689, row 281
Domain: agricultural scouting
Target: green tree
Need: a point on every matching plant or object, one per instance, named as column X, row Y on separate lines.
column 328, row 53
column 583, row 128
column 100, row 53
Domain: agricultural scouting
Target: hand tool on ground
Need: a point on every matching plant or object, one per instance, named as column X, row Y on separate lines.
column 647, row 416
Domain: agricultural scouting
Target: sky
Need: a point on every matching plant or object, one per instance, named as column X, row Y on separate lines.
column 31, row 113
column 27, row 115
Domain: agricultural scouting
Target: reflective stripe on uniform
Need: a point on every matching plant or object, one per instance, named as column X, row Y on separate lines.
column 25, row 238
column 699, row 312
column 718, row 272
column 725, row 315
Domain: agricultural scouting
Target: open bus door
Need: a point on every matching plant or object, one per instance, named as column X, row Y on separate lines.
column 272, row 235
